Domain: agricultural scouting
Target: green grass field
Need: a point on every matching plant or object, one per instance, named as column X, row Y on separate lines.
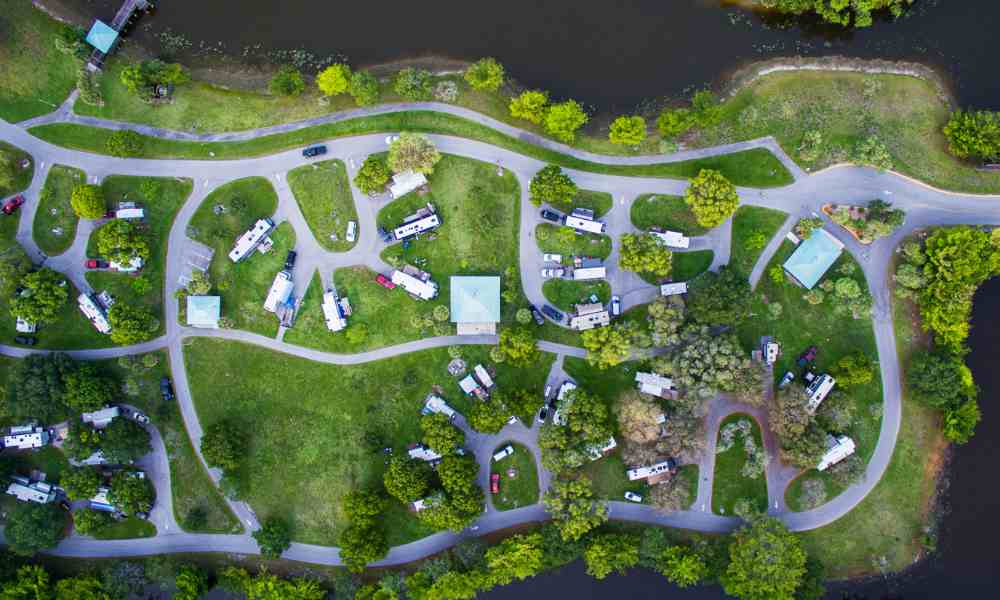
column 323, row 193
column 521, row 489
column 729, row 484
column 688, row 265
column 610, row 478
column 584, row 244
column 22, row 177
column 666, row 212
column 128, row 528
column 69, row 331
column 55, row 213
column 748, row 222
column 599, row 202
column 566, row 293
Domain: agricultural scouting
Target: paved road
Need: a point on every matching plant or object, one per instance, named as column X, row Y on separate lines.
column 924, row 206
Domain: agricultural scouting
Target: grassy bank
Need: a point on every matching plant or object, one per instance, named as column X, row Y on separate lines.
column 55, row 223
column 566, row 293
column 750, row 225
column 323, row 194
column 666, row 212
column 521, row 489
column 688, row 265
column 22, row 177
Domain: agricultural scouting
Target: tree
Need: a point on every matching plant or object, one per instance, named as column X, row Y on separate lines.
column 940, row 380
column 191, row 582
column 675, row 122
column 335, row 79
column 721, row 298
column 138, row 78
column 414, row 84
column 806, row 449
column 87, row 201
column 789, row 415
column 35, row 388
column 125, row 441
column 34, row 527
column 766, row 562
column 273, row 537
column 562, row 120
column 485, row 75
column 364, row 506
column 124, row 143
column 87, row 388
column 960, row 421
column 705, row 364
column 82, row 440
column 645, row 254
column 665, row 320
column 121, row 241
column 974, row 134
column 373, row 175
column 854, row 369
column 364, row 88
column 130, row 324
column 683, row 566
column 440, row 435
column 287, row 82
column 80, row 483
column 627, row 131
column 131, row 493
column 362, row 545
column 42, row 298
column 225, row 444
column 488, row 417
column 81, row 587
column 14, row 265
column 606, row 346
column 609, row 552
column 517, row 557
column 670, row 496
column 574, row 508
column 530, row 106
column 712, row 198
column 122, row 578
column 32, row 583
column 638, row 418
column 406, row 479
column 523, row 316
column 413, row 152
column 551, row 185
column 873, row 152
column 857, row 13
column 518, row 346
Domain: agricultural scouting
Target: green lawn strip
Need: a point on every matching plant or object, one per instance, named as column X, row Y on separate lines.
column 161, row 206
column 521, row 489
column 609, row 383
column 756, row 168
column 559, row 335
column 69, row 331
column 599, row 202
column 688, row 265
column 55, row 213
column 666, row 212
column 22, row 177
column 127, row 528
column 689, row 476
column 323, row 193
column 35, row 77
column 748, row 221
column 909, row 113
column 729, row 484
column 566, row 293
column 610, row 477
column 584, row 244
column 318, row 417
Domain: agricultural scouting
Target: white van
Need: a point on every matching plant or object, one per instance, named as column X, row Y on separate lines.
column 352, row 231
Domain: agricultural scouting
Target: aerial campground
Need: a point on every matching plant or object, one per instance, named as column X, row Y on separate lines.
column 398, row 302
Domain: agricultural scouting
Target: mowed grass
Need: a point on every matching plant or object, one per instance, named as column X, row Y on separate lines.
column 323, row 193
column 688, row 265
column 729, row 485
column 243, row 286
column 34, row 76
column 566, row 293
column 521, row 489
column 317, row 429
column 161, row 197
column 22, row 177
column 127, row 528
column 610, row 478
column 55, row 223
column 747, row 223
column 583, row 244
column 599, row 202
column 666, row 212
column 69, row 331
column 905, row 113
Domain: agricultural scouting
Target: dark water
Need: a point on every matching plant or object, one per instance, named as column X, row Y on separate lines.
column 608, row 54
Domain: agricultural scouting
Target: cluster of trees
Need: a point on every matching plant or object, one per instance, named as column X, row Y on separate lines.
column 585, row 426
column 373, row 175
column 140, row 77
column 273, row 537
column 644, row 253
column 706, row 363
column 224, row 445
column 551, row 185
column 490, row 416
column 850, row 297
column 87, row 201
column 339, row 79
column 44, row 293
column 857, row 13
column 974, row 134
column 517, row 346
column 878, row 220
column 705, row 111
column 560, row 120
column 711, row 197
column 121, row 241
column 608, row 346
column 121, row 442
column 940, row 379
column 413, row 152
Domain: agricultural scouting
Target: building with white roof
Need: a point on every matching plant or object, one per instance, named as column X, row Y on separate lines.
column 133, row 265
column 672, row 289
column 588, row 273
column 437, row 405
column 424, row 290
column 650, row 471
column 483, row 377
column 672, row 239
column 280, row 290
column 651, row 383
column 335, row 320
column 100, row 501
column 204, row 312
column 583, row 224
column 837, row 449
column 101, row 418
column 818, row 389
column 589, row 316
column 94, row 313
column 405, row 182
column 26, row 490
column 422, row 452
column 252, row 238
column 26, row 437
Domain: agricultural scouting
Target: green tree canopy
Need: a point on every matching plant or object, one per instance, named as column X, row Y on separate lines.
column 191, row 583
column 287, row 82
column 335, row 79
column 36, row 389
column 857, row 13
column 31, row 583
column 705, row 364
column 364, row 88
column 486, row 74
column 88, row 521
column 225, row 444
column 373, row 175
column 362, row 545
column 131, row 493
column 645, row 254
column 80, row 483
column 81, row 587
column 364, row 506
column 530, row 105
column 610, row 552
column 960, row 421
column 939, row 379
column 139, row 77
column 517, row 557
column 87, row 201
column 562, row 120
column 683, row 566
column 125, row 440
column 974, row 134
column 414, row 84
column 44, row 295
column 519, row 346
column 273, row 537
column 721, row 298
column 627, row 131
column 440, row 435
column 551, row 185
column 606, row 346
column 712, row 198
column 87, row 388
column 406, row 479
column 488, row 417
column 413, row 152
column 130, row 324
column 675, row 122
column 574, row 508
column 766, row 562
column 121, row 240
column 34, row 527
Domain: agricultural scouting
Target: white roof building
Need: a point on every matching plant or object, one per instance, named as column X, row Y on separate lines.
column 672, row 289
column 252, row 238
column 414, row 227
column 280, row 290
column 101, row 418
column 93, row 311
column 649, row 471
column 26, row 437
column 424, row 290
column 133, row 265
column 589, row 316
column 22, row 326
column 436, row 404
column 130, row 213
column 651, row 383
column 483, row 376
column 405, row 182
column 818, row 390
column 585, row 225
column 422, row 452
column 589, row 273
column 27, row 491
column 100, row 501
column 335, row 321
column 672, row 239
column 837, row 449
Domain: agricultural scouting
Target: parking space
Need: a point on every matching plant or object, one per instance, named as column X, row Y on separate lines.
column 196, row 256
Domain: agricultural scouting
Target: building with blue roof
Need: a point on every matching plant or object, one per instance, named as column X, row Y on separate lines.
column 102, row 36
column 813, row 258
column 204, row 311
column 475, row 304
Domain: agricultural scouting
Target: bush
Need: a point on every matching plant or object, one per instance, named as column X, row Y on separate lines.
column 974, row 134
column 364, row 88
column 287, row 82
column 373, row 175
column 562, row 120
column 333, row 80
column 530, row 105
column 673, row 123
column 628, row 131
column 551, row 185
column 712, row 198
column 485, row 74
column 523, row 316
column 413, row 152
column 124, row 143
column 87, row 201
column 413, row 84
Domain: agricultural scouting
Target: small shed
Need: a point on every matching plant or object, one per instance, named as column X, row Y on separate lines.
column 102, row 36
column 475, row 304
column 813, row 258
column 204, row 311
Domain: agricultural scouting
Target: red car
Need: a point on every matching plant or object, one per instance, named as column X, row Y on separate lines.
column 93, row 263
column 495, row 483
column 383, row 281
column 13, row 204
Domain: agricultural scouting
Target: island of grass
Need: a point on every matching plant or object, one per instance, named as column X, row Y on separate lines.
column 318, row 430
column 609, row 476
column 753, row 228
column 22, row 177
column 688, row 265
column 566, row 293
column 551, row 239
column 323, row 194
column 666, row 212
column 599, row 202
column 69, row 331
column 731, row 484
column 518, row 479
column 54, row 228
column 161, row 197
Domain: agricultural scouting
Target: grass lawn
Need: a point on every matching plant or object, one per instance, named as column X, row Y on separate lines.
column 128, row 528
column 55, row 211
column 35, row 78
column 69, row 331
column 325, row 425
column 583, row 244
column 729, row 484
column 609, row 383
column 565, row 293
column 520, row 490
column 162, row 197
column 22, row 177
column 324, row 196
column 610, row 478
column 747, row 222
column 599, row 202
column 688, row 265
column 905, row 113
column 243, row 286
column 666, row 212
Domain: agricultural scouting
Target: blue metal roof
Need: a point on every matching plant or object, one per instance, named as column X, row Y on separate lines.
column 475, row 299
column 813, row 258
column 102, row 36
column 204, row 311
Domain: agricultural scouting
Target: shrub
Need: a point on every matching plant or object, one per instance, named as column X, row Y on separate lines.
column 673, row 123
column 486, row 74
column 373, row 175
column 335, row 79
column 530, row 105
column 628, row 131
column 287, row 82
column 974, row 134
column 563, row 119
column 413, row 84
column 87, row 201
column 364, row 88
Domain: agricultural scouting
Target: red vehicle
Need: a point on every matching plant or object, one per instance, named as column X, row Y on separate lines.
column 13, row 204
column 808, row 356
column 383, row 281
column 93, row 263
column 495, row 483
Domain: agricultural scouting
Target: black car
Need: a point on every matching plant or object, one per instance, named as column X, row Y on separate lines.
column 549, row 215
column 539, row 319
column 25, row 340
column 543, row 414
column 552, row 313
column 290, row 260
column 165, row 389
column 312, row 151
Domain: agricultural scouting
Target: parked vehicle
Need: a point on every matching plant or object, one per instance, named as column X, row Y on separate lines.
column 25, row 340
column 788, row 378
column 140, row 418
column 547, row 273
column 808, row 356
column 385, row 235
column 312, row 151
column 594, row 299
column 633, row 497
column 352, row 231
column 503, row 453
column 165, row 390
column 389, row 139
column 556, row 258
column 549, row 215
column 543, row 414
column 383, row 281
column 512, row 420
column 552, row 313
column 290, row 260
column 93, row 263
column 13, row 204
column 539, row 319
column 495, row 483
column 548, row 392
column 616, row 306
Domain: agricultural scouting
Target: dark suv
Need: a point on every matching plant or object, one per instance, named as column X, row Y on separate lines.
column 290, row 260
column 539, row 319
column 165, row 390
column 312, row 151
column 549, row 215
column 552, row 313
